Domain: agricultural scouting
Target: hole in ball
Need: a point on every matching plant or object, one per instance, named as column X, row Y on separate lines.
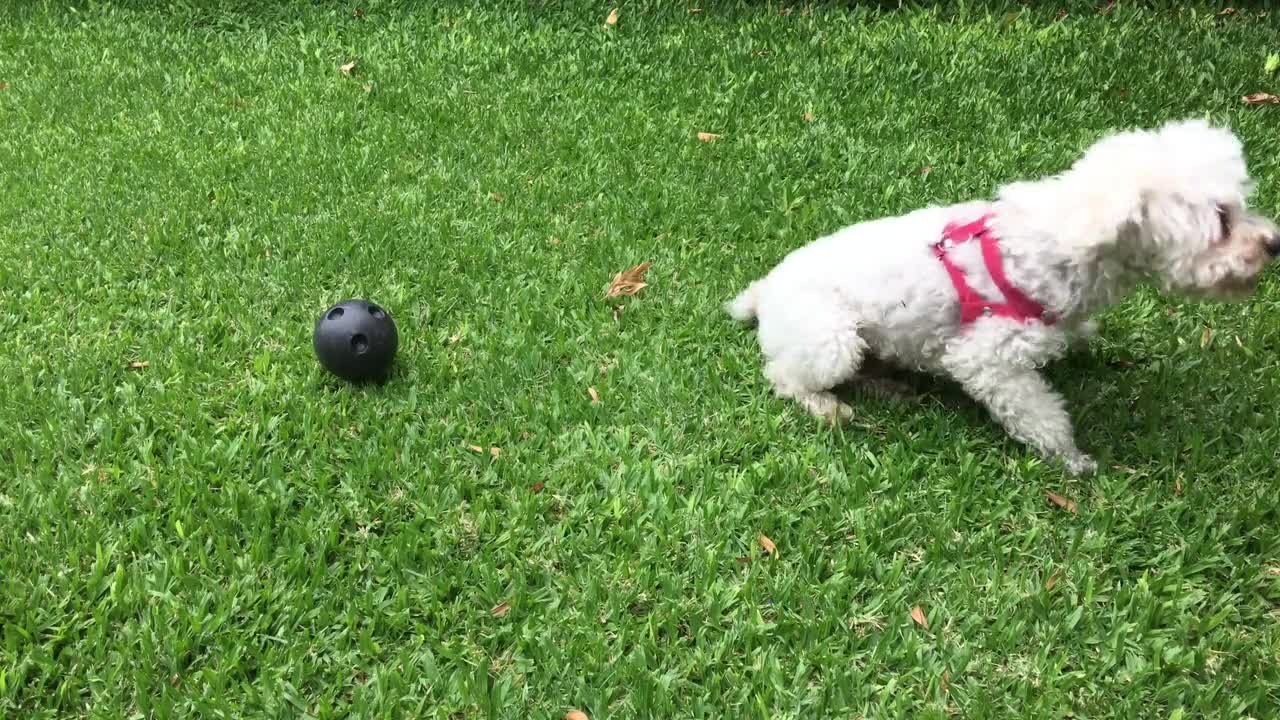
column 376, row 311
column 360, row 344
column 335, row 313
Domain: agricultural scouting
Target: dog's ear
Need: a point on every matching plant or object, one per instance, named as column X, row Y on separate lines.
column 1093, row 205
column 1105, row 196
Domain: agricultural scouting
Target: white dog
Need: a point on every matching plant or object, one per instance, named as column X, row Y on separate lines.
column 988, row 292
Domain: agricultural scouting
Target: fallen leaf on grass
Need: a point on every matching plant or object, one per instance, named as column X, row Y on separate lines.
column 1261, row 98
column 500, row 610
column 495, row 451
column 475, row 449
column 924, row 170
column 357, row 13
column 708, row 137
column 1065, row 503
column 1053, row 580
column 767, row 544
column 4, row 86
column 139, row 365
column 808, row 117
column 537, row 487
column 1226, row 12
column 348, row 68
column 576, row 715
column 612, row 19
column 917, row 614
column 1107, row 8
column 1206, row 337
column 1177, row 486
column 945, row 685
column 628, row 282
column 497, row 197
column 695, row 11
column 595, row 396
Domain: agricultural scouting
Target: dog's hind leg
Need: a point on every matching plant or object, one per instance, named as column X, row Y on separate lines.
column 808, row 355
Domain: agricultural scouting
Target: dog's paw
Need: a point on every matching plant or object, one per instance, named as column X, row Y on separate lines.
column 1080, row 464
column 827, row 406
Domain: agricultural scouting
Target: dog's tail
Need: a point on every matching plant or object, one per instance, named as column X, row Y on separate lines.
column 743, row 307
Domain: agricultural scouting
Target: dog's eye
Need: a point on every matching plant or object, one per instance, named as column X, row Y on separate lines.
column 1224, row 222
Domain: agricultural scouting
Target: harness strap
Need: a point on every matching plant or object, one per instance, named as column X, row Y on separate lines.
column 973, row 305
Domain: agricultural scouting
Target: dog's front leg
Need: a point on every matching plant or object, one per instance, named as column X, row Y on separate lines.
column 1028, row 408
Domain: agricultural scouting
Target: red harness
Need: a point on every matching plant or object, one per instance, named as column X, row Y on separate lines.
column 972, row 304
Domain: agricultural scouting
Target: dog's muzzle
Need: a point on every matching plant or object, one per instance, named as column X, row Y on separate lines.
column 1273, row 245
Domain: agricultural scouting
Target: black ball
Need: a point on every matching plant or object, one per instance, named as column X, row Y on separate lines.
column 356, row 340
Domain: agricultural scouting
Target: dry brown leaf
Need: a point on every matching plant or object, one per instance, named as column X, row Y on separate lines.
column 695, row 11
column 808, row 117
column 708, row 137
column 945, row 685
column 357, row 13
column 1065, row 503
column 1177, row 486
column 348, row 68
column 1053, row 580
column 924, row 170
column 555, row 241
column 595, row 396
column 4, row 86
column 501, row 609
column 497, row 197
column 767, row 544
column 628, row 282
column 1261, row 98
column 368, row 87
column 612, row 19
column 475, row 449
column 494, row 451
column 576, row 715
column 1107, row 8
column 139, row 365
column 537, row 487
column 1206, row 337
column 1226, row 12
column 917, row 614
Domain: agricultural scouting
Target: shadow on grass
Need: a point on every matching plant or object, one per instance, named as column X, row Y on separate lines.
column 1149, row 423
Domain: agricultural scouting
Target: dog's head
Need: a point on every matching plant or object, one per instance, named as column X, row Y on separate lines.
column 1172, row 203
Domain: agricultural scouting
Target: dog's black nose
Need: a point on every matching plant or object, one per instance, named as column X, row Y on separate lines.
column 1273, row 245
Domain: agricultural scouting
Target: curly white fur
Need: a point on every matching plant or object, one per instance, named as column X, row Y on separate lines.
column 1165, row 206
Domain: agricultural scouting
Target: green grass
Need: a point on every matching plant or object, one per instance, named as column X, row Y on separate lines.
column 229, row 533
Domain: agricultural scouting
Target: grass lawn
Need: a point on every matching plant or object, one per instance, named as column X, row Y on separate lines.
column 224, row 531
